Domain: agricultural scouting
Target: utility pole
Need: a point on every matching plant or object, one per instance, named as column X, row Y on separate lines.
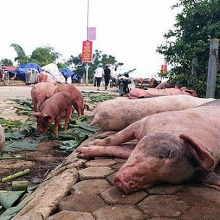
column 212, row 69
column 87, row 37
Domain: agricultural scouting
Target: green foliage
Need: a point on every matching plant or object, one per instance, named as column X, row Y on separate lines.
column 6, row 62
column 21, row 56
column 44, row 55
column 196, row 25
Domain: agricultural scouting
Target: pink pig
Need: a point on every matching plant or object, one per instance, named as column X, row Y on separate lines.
column 173, row 147
column 40, row 92
column 117, row 114
column 76, row 97
column 140, row 93
column 54, row 109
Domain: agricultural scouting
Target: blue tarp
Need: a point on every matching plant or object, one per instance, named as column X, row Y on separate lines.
column 66, row 72
column 22, row 69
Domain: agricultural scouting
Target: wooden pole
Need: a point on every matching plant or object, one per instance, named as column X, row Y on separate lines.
column 212, row 69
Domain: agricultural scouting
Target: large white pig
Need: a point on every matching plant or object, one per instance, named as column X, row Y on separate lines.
column 118, row 113
column 174, row 147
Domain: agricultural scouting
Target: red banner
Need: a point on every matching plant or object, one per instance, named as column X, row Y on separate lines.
column 87, row 52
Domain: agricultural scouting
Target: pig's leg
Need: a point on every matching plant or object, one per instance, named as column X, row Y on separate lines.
column 56, row 125
column 123, row 136
column 67, row 117
column 123, row 151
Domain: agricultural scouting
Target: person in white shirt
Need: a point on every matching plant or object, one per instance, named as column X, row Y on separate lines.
column 99, row 72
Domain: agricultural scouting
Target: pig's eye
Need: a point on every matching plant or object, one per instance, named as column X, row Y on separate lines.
column 164, row 152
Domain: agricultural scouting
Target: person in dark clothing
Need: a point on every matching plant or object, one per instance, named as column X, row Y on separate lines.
column 107, row 75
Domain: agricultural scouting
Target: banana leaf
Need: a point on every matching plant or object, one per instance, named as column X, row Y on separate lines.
column 21, row 144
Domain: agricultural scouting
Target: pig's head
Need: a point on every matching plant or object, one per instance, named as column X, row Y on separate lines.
column 163, row 158
column 43, row 122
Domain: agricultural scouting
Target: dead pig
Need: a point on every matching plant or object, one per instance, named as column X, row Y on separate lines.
column 40, row 92
column 76, row 97
column 117, row 114
column 174, row 147
column 140, row 93
column 55, row 108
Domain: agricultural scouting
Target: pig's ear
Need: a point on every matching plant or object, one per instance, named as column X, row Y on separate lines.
column 199, row 151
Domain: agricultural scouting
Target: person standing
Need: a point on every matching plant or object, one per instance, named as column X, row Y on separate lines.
column 98, row 75
column 107, row 75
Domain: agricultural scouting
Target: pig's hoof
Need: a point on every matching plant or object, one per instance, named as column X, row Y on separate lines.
column 83, row 152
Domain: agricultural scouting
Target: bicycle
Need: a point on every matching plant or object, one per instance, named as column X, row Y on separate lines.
column 4, row 75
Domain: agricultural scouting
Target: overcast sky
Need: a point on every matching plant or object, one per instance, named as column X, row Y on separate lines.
column 129, row 30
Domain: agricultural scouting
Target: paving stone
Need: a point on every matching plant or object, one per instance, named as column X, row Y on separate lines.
column 117, row 166
column 114, row 196
column 81, row 203
column 95, row 186
column 165, row 189
column 101, row 163
column 120, row 160
column 119, row 213
column 163, row 206
column 200, row 213
column 95, row 172
column 111, row 178
column 209, row 195
column 68, row 215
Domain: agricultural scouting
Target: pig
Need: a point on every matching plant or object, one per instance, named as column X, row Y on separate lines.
column 45, row 77
column 54, row 109
column 116, row 114
column 164, row 85
column 173, row 147
column 140, row 93
column 2, row 138
column 76, row 97
column 40, row 92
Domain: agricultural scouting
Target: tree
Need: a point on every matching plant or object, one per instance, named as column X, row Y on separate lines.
column 196, row 25
column 6, row 62
column 21, row 56
column 44, row 55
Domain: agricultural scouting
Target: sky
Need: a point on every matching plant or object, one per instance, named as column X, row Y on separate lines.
column 129, row 30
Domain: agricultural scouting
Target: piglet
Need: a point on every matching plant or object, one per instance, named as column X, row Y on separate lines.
column 40, row 92
column 2, row 138
column 54, row 109
column 76, row 97
column 173, row 147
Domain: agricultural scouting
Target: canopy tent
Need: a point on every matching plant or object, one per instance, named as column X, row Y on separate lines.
column 22, row 70
column 66, row 72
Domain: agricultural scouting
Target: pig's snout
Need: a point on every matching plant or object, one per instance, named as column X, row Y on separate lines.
column 127, row 187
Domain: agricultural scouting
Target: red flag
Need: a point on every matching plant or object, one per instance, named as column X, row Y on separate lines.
column 91, row 33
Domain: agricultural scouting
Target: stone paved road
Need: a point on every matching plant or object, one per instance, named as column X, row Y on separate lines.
column 95, row 197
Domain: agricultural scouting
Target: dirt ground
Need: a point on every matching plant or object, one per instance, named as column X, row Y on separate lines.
column 46, row 157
